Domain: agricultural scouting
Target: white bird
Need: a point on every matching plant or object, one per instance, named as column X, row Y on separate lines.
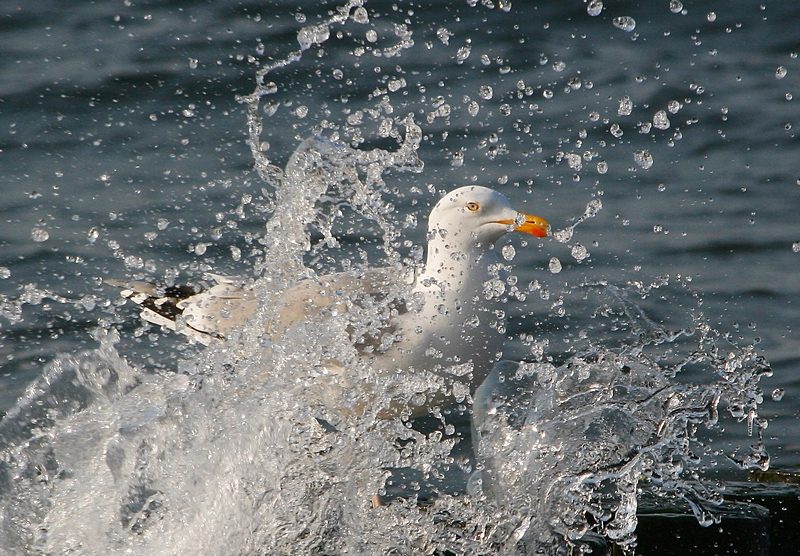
column 444, row 321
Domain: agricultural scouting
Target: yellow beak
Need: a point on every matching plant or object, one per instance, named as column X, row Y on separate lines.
column 533, row 225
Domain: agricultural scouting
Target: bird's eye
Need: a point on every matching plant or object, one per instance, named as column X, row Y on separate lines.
column 472, row 206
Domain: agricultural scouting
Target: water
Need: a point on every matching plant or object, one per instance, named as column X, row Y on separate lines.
column 152, row 141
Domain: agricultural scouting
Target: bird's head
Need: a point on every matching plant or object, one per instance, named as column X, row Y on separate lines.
column 475, row 215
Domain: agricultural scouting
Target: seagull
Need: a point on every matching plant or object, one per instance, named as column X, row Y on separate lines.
column 444, row 321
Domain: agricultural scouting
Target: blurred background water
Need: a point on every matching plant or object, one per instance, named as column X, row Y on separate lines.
column 124, row 153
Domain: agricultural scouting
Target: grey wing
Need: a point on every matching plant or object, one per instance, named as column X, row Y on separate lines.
column 367, row 298
column 202, row 316
column 370, row 300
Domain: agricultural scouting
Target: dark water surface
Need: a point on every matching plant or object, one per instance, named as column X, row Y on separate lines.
column 124, row 143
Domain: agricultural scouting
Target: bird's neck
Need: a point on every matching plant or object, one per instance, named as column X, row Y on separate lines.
column 455, row 271
column 455, row 315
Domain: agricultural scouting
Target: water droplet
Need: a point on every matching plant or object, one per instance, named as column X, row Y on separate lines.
column 554, row 265
column 473, row 108
column 711, row 17
column 615, row 130
column 796, row 246
column 486, row 92
column 444, row 35
column 162, row 223
column 673, row 106
column 574, row 161
column 559, row 66
column 602, row 167
column 643, row 158
column 93, row 234
column 397, row 84
column 777, row 394
column 563, row 236
column 200, row 248
column 338, row 74
column 458, row 159
column 493, row 289
column 360, row 15
column 270, row 108
column 372, row 35
column 301, row 111
column 625, row 23
column 132, row 262
column 385, row 127
column 313, row 34
column 236, row 253
column 508, row 252
column 592, row 208
column 660, row 120
column 463, row 53
column 5, row 272
column 625, row 106
column 780, row 72
column 39, row 235
column 89, row 302
column 547, row 93
column 675, row 6
column 594, row 8
column 193, row 63
column 579, row 252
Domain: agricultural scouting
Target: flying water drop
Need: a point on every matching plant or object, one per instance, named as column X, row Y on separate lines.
column 574, row 161
column 39, row 235
column 625, row 23
column 360, row 15
column 579, row 252
column 594, row 8
column 313, row 34
column 643, row 158
column 660, row 120
column 625, row 106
